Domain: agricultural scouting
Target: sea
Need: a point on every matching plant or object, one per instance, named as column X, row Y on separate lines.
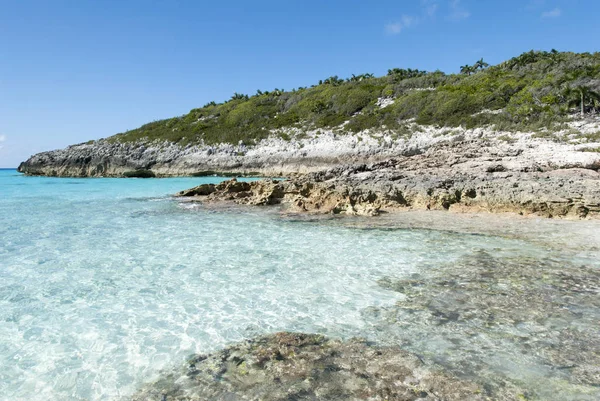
column 109, row 283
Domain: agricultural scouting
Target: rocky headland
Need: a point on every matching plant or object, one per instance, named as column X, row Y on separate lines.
column 521, row 136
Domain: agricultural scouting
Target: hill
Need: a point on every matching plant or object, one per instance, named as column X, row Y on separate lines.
column 528, row 105
column 536, row 90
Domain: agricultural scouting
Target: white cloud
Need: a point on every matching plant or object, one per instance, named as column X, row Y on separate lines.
column 406, row 21
column 393, row 29
column 552, row 13
column 2, row 139
column 457, row 11
column 430, row 7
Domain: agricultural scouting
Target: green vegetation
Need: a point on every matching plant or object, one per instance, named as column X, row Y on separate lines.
column 534, row 91
column 593, row 137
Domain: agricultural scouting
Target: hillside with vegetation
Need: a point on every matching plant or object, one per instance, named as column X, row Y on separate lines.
column 537, row 90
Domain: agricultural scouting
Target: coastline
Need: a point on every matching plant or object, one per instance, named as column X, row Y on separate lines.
column 571, row 194
column 370, row 173
column 422, row 226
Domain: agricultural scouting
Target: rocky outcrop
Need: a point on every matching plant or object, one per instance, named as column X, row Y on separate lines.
column 399, row 184
column 300, row 195
column 293, row 366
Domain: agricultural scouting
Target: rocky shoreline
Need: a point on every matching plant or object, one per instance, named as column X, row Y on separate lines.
column 315, row 150
column 369, row 173
column 458, row 174
column 375, row 189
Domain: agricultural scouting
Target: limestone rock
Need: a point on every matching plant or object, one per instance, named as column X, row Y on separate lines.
column 294, row 366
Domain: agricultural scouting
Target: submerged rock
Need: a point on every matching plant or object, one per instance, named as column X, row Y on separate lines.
column 530, row 322
column 294, row 366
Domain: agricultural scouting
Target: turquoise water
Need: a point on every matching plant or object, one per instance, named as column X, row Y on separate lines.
column 106, row 282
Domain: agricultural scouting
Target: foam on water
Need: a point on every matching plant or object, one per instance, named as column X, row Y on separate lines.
column 104, row 282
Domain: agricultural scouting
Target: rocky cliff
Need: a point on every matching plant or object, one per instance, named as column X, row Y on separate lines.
column 459, row 148
column 315, row 150
column 365, row 119
column 272, row 156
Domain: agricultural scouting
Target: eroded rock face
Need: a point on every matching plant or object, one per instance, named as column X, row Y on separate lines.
column 477, row 150
column 293, row 366
column 300, row 195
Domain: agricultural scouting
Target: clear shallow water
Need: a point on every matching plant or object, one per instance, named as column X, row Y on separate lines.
column 104, row 282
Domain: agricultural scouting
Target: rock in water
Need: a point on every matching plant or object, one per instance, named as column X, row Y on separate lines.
column 294, row 366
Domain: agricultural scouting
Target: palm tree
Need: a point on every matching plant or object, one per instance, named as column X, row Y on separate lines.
column 333, row 80
column 480, row 64
column 239, row 96
column 579, row 95
column 358, row 78
column 400, row 73
column 467, row 69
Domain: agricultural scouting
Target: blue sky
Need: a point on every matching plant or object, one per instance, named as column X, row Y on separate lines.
column 76, row 70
